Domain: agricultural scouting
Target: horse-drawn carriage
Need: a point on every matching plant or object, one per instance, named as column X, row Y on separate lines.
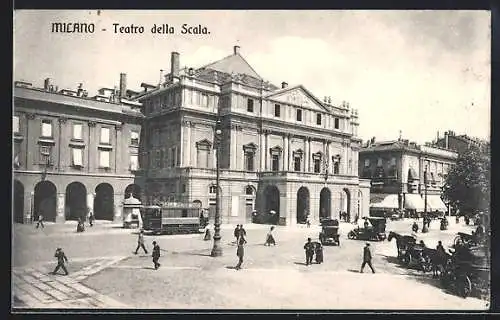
column 329, row 232
column 468, row 271
column 373, row 229
column 474, row 239
column 410, row 252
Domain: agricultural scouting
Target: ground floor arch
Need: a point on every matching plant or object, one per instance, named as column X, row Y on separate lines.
column 325, row 203
column 272, row 203
column 134, row 190
column 345, row 203
column 104, row 202
column 18, row 202
column 45, row 201
column 302, row 204
column 76, row 201
column 359, row 210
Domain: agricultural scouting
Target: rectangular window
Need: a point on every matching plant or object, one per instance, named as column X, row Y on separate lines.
column 250, row 105
column 196, row 98
column 379, row 162
column 318, row 119
column 277, row 110
column 15, row 124
column 204, row 100
column 47, row 128
column 275, row 162
column 183, row 190
column 105, row 135
column 77, row 155
column 134, row 162
column 296, row 164
column 249, row 159
column 157, row 159
column 367, row 162
column 299, row 115
column 134, row 138
column 337, row 123
column 202, row 157
column 104, row 158
column 317, row 165
column 393, row 161
column 77, row 131
column 45, row 154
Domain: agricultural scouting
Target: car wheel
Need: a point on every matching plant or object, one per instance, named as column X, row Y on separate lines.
column 464, row 287
column 405, row 260
column 351, row 235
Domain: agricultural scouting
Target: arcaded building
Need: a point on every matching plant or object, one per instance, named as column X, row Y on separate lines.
column 283, row 150
column 73, row 153
column 402, row 172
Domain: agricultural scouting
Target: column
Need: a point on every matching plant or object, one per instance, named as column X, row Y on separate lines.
column 234, row 148
column 346, row 158
column 187, row 148
column 330, row 155
column 285, row 152
column 118, row 212
column 60, row 218
column 262, row 151
column 31, row 144
column 118, row 149
column 290, row 160
column 62, row 135
column 180, row 152
column 29, row 201
column 266, row 151
column 92, row 147
column 307, row 155
column 90, row 202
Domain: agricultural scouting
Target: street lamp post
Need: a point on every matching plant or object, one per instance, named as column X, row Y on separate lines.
column 217, row 249
column 326, row 165
column 424, row 227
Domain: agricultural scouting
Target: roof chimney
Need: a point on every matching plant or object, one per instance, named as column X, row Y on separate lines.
column 46, row 84
column 284, row 85
column 174, row 65
column 236, row 49
column 123, row 85
column 446, row 140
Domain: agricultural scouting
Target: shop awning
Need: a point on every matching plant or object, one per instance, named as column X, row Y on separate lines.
column 386, row 201
column 413, row 201
column 434, row 203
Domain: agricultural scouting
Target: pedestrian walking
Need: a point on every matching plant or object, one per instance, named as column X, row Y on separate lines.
column 91, row 218
column 80, row 227
column 270, row 238
column 309, row 248
column 40, row 222
column 243, row 232
column 367, row 258
column 318, row 250
column 414, row 227
column 61, row 259
column 236, row 233
column 140, row 243
column 156, row 255
column 240, row 252
column 308, row 222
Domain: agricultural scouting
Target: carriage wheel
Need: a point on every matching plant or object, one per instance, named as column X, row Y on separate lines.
column 464, row 286
column 406, row 260
column 427, row 265
column 455, row 241
column 351, row 235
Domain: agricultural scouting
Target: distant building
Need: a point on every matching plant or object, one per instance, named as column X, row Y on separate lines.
column 397, row 169
column 283, row 150
column 73, row 153
column 459, row 143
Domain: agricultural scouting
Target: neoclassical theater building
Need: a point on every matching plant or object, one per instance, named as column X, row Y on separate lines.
column 72, row 152
column 284, row 152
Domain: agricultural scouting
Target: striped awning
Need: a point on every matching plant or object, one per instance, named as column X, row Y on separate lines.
column 386, row 201
column 414, row 201
column 434, row 203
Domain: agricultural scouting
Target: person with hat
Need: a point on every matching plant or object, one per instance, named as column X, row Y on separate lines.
column 156, row 255
column 61, row 259
column 240, row 251
column 140, row 242
column 367, row 258
column 309, row 248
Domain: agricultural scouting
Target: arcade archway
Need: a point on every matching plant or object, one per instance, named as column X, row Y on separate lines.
column 346, row 203
column 76, row 201
column 18, row 202
column 302, row 204
column 134, row 190
column 104, row 202
column 325, row 201
column 45, row 202
column 272, row 196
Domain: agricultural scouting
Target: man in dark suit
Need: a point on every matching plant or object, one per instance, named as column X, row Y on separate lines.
column 61, row 259
column 309, row 248
column 156, row 255
column 367, row 258
column 40, row 222
column 240, row 251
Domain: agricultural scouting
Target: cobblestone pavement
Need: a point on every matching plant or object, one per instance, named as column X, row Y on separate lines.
column 273, row 277
column 35, row 287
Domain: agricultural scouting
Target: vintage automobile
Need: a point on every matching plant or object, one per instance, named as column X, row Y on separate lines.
column 416, row 254
column 373, row 229
column 329, row 232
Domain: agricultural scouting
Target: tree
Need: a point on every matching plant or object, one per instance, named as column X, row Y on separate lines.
column 467, row 184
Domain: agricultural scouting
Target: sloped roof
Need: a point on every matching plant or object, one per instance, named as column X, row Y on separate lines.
column 234, row 63
column 390, row 145
column 308, row 93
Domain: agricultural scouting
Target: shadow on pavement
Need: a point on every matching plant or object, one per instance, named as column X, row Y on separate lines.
column 231, row 267
column 148, row 268
column 353, row 271
column 300, row 263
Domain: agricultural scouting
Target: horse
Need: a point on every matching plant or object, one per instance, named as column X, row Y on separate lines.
column 438, row 260
column 402, row 241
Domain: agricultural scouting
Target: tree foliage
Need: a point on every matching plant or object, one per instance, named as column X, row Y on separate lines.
column 467, row 184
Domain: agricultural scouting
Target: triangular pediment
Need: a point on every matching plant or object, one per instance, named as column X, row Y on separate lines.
column 298, row 96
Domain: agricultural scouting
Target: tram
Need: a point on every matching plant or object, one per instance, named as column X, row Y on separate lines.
column 172, row 218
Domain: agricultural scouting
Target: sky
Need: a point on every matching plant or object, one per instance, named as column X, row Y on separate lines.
column 411, row 72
